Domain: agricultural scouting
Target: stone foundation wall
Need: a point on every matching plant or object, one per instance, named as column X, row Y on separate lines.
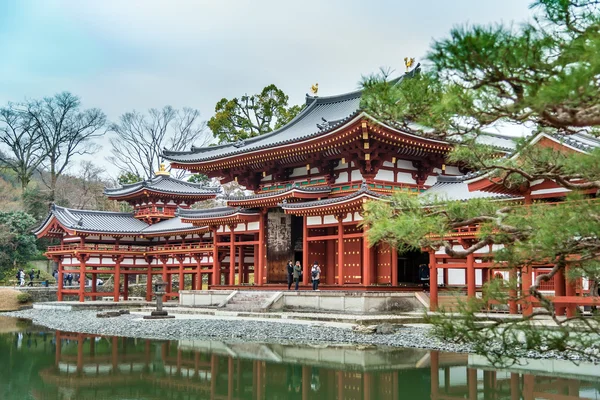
column 40, row 294
column 357, row 302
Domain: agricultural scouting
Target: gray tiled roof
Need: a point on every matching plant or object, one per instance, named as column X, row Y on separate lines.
column 363, row 190
column 96, row 221
column 580, row 141
column 163, row 184
column 451, row 188
column 304, row 189
column 213, row 212
column 320, row 115
column 169, row 225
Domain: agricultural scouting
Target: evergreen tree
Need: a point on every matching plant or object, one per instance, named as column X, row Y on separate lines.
column 542, row 75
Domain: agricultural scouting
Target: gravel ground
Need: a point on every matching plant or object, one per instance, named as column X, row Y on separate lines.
column 248, row 330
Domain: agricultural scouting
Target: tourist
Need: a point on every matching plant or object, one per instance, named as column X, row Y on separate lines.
column 55, row 275
column 70, row 279
column 315, row 274
column 37, row 274
column 21, row 277
column 290, row 274
column 424, row 275
column 31, row 276
column 297, row 274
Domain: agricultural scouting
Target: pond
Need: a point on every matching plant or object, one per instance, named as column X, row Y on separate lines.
column 40, row 364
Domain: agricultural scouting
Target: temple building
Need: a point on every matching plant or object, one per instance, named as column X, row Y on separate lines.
column 309, row 181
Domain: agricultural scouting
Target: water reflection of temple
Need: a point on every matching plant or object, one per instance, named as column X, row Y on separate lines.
column 93, row 367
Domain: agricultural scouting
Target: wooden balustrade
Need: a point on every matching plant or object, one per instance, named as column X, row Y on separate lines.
column 116, row 249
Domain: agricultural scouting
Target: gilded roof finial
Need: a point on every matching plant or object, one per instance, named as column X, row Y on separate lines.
column 408, row 62
column 314, row 89
column 162, row 171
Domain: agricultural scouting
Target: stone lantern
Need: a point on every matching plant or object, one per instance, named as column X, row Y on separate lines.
column 159, row 291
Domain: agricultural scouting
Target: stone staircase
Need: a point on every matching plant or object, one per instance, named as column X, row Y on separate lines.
column 249, row 300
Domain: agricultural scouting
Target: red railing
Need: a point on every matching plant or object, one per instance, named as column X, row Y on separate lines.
column 155, row 211
column 128, row 248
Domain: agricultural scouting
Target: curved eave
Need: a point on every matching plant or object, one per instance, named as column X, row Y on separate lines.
column 145, row 191
column 45, row 229
column 187, row 231
column 342, row 205
column 273, row 199
column 236, row 217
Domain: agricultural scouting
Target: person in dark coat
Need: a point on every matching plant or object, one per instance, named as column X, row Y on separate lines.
column 424, row 275
column 297, row 274
column 290, row 274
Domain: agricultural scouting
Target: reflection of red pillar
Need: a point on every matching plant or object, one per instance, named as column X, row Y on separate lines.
column 573, row 387
column 230, row 378
column 305, row 382
column 92, row 346
column 559, row 289
column 433, row 282
column 178, row 361
column 394, row 266
column 526, row 285
column 395, row 385
column 472, row 383
column 259, row 380
column 528, row 386
column 514, row 387
column 214, row 372
column 434, row 356
column 571, row 291
column 115, row 354
column 340, row 384
column 80, row 339
column 367, row 380
column 512, row 293
column 58, row 349
column 470, row 276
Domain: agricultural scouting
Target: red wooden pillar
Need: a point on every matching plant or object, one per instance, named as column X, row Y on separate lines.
column 198, row 281
column 366, row 259
column 512, row 304
column 394, row 266
column 216, row 269
column 125, row 286
column 559, row 289
column 261, row 247
column 305, row 244
column 433, row 282
column 149, row 282
column 471, row 276
column 340, row 259
column 117, row 279
column 527, row 307
column 82, row 260
column 59, row 266
column 255, row 258
column 571, row 290
column 330, row 267
column 242, row 266
column 94, row 286
column 231, row 255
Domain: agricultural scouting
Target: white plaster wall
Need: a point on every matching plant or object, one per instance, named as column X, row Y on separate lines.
column 329, row 219
column 357, row 216
column 385, row 175
column 313, row 220
column 406, row 164
column 456, row 277
column 404, row 177
column 253, row 226
column 356, row 175
column 341, row 165
column 388, row 164
column 298, row 171
column 342, row 178
column 348, row 218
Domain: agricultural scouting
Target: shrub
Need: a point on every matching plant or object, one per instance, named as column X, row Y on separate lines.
column 24, row 298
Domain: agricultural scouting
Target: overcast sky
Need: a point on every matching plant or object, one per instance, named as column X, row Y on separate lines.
column 121, row 55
